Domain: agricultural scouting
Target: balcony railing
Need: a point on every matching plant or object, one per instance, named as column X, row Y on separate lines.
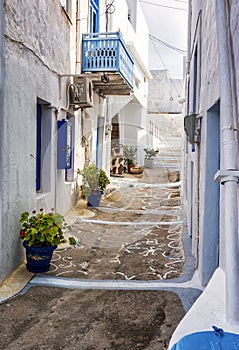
column 107, row 52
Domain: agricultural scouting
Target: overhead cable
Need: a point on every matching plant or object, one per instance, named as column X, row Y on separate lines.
column 185, row 2
column 169, row 7
column 183, row 52
column 164, row 65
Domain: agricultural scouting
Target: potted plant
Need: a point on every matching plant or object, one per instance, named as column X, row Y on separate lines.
column 150, row 153
column 129, row 153
column 94, row 182
column 41, row 234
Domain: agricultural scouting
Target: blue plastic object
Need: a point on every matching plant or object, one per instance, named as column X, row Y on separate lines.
column 215, row 340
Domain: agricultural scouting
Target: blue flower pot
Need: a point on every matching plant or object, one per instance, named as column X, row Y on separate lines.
column 94, row 199
column 38, row 258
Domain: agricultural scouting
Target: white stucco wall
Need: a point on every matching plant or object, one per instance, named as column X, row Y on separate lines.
column 164, row 93
column 197, row 155
column 37, row 48
column 131, row 109
column 164, row 109
column 40, row 42
column 213, row 306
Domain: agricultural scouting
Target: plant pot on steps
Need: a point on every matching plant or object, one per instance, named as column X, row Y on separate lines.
column 94, row 199
column 38, row 258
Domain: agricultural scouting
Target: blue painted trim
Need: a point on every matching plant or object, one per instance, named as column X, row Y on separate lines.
column 94, row 16
column 64, row 146
column 70, row 171
column 97, row 143
column 38, row 147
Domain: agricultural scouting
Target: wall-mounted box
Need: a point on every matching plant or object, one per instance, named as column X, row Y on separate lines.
column 64, row 145
column 192, row 127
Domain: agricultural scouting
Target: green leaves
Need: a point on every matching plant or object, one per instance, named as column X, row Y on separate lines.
column 42, row 229
column 24, row 216
column 72, row 240
column 94, row 179
column 150, row 152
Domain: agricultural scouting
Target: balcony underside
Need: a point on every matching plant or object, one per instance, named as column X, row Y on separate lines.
column 110, row 84
column 107, row 60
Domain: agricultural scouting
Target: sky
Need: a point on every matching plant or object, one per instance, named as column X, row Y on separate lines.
column 166, row 23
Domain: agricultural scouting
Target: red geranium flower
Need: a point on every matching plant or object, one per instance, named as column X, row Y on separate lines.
column 22, row 234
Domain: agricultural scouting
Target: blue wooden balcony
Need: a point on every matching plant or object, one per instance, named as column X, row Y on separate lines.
column 107, row 55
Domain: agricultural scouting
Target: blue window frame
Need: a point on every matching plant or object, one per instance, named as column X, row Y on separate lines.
column 43, row 146
column 38, row 147
column 94, row 16
column 65, row 146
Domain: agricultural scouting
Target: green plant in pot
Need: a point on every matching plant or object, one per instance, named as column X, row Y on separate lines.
column 129, row 153
column 41, row 234
column 150, row 152
column 94, row 182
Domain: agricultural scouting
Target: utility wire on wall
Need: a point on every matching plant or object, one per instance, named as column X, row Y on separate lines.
column 169, row 7
column 109, row 10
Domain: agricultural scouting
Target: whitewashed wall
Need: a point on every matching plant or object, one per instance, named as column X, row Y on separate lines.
column 38, row 39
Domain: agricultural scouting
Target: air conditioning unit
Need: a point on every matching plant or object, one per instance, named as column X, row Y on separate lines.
column 81, row 92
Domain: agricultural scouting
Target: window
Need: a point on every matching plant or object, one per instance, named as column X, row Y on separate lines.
column 43, row 147
column 66, row 4
column 38, row 148
column 65, row 146
column 195, row 80
column 94, row 16
column 132, row 11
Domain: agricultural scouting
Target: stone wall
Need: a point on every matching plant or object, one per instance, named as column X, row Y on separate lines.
column 164, row 93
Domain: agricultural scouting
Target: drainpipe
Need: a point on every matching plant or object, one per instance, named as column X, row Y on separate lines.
column 228, row 174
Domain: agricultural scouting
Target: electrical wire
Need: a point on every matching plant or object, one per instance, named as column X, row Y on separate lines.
column 169, row 7
column 110, row 7
column 164, row 65
column 185, row 2
column 183, row 52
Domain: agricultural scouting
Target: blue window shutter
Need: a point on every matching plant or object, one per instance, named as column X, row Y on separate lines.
column 94, row 16
column 65, row 147
column 70, row 142
column 38, row 148
column 62, row 144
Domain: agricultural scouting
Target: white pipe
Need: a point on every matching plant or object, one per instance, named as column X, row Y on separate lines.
column 228, row 162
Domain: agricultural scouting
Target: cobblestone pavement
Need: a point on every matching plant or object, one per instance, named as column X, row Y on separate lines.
column 57, row 318
column 134, row 234
column 135, row 239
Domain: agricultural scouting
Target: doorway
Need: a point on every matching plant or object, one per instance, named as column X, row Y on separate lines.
column 210, row 204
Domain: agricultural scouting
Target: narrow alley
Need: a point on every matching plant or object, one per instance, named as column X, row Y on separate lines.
column 119, row 175
column 123, row 285
column 134, row 234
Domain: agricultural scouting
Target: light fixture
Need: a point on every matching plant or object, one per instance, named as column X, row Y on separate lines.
column 105, row 79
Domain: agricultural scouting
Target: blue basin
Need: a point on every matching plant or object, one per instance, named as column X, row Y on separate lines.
column 214, row 340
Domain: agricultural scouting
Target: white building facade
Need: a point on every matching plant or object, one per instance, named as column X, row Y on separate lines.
column 68, row 69
column 211, row 164
column 164, row 112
